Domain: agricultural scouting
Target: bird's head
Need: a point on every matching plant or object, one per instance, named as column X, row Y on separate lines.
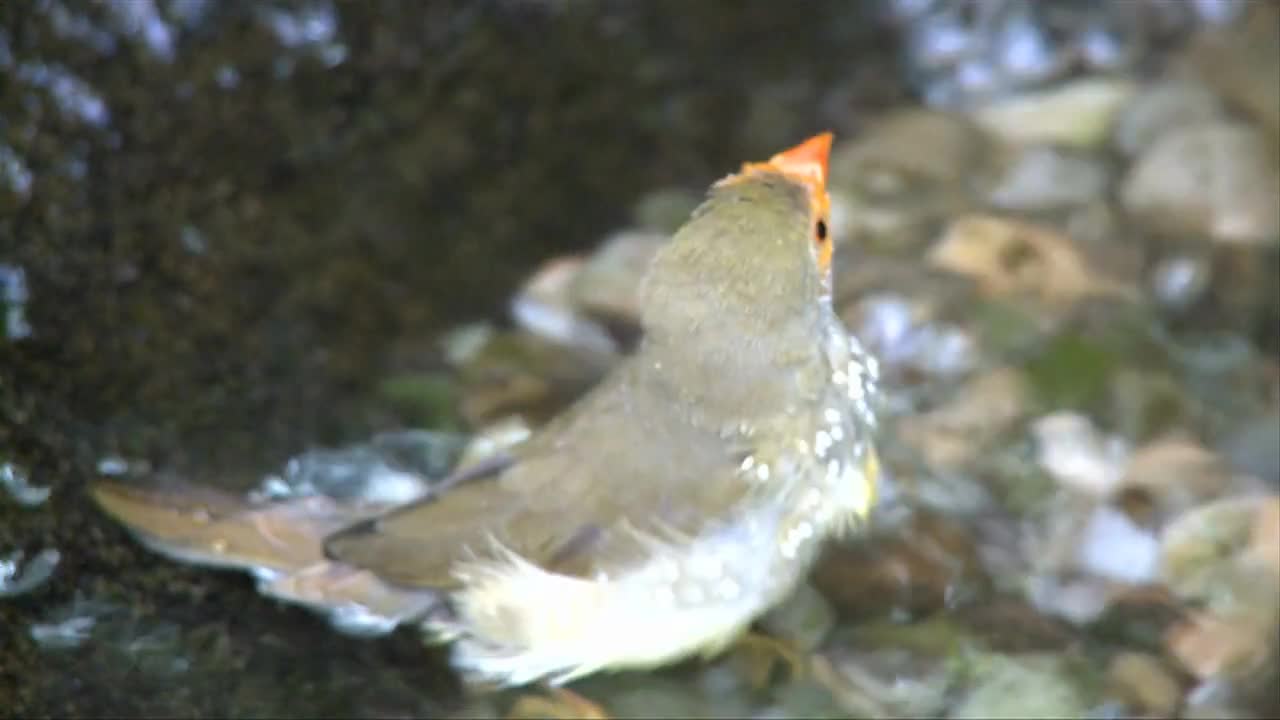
column 755, row 256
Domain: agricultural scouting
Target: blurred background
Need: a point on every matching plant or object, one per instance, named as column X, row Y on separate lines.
column 237, row 235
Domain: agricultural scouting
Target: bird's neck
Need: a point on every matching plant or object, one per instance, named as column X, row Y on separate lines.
column 730, row 370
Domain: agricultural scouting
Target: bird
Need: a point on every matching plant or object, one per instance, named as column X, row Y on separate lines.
column 684, row 495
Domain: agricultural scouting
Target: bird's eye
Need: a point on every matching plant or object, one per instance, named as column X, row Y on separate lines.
column 820, row 230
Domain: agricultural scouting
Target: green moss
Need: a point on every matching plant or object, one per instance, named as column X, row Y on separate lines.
column 1004, row 327
column 428, row 400
column 1071, row 373
column 937, row 636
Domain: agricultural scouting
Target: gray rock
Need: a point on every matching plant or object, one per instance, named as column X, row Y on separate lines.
column 1076, row 114
column 1162, row 107
column 1045, row 178
column 1025, row 686
column 1219, row 181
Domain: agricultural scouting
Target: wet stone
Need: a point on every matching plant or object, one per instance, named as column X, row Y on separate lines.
column 1041, row 178
column 954, row 434
column 1021, row 686
column 1250, row 447
column 896, row 669
column 545, row 307
column 905, row 173
column 1242, row 63
column 608, row 286
column 1076, row 114
column 1218, row 181
column 1007, row 257
column 1144, row 683
column 521, row 373
column 1161, row 108
column 664, row 211
column 914, row 145
column 804, row 619
column 928, row 565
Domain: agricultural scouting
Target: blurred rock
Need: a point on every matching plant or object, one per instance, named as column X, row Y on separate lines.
column 804, row 698
column 1209, row 645
column 1206, row 552
column 1021, row 686
column 1079, row 600
column 1020, row 485
column 1217, row 180
column 607, row 288
column 13, row 479
column 545, row 307
column 1243, row 298
column 664, row 211
column 1243, row 64
column 1010, row 257
column 1170, row 476
column 1010, row 625
column 906, row 171
column 1251, row 447
column 1083, row 555
column 844, row 218
column 956, row 433
column 934, row 295
column 659, row 696
column 1221, row 557
column 888, row 669
column 1077, row 114
column 803, row 620
column 1179, row 281
column 1144, row 684
column 1041, row 178
column 1147, row 522
column 1114, row 547
column 493, row 439
column 520, row 373
column 928, row 565
column 911, row 145
column 1148, row 403
column 1136, row 617
column 391, row 468
column 907, row 341
column 474, row 707
column 1215, row 699
column 1160, row 108
column 19, row 576
column 1071, row 450
column 1264, row 538
column 1008, row 328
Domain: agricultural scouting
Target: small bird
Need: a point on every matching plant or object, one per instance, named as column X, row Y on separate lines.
column 685, row 494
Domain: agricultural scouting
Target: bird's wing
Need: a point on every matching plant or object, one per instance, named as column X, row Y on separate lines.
column 619, row 466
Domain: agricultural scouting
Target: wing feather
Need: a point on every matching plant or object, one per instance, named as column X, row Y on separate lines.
column 579, row 499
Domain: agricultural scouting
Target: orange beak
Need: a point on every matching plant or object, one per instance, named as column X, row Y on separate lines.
column 808, row 159
column 805, row 163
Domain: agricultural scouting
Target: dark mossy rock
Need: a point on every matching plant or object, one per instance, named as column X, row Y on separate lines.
column 245, row 226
